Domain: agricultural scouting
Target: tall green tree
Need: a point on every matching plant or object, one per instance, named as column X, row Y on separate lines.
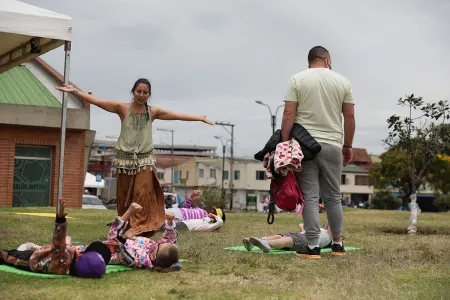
column 393, row 173
column 422, row 135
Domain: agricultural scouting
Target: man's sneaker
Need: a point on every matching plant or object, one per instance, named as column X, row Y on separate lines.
column 249, row 246
column 337, row 250
column 261, row 244
column 309, row 253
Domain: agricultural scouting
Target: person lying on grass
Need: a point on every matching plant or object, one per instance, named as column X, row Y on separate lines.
column 142, row 252
column 188, row 212
column 137, row 251
column 209, row 223
column 60, row 258
column 291, row 241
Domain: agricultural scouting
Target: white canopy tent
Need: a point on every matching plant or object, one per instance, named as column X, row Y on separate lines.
column 91, row 182
column 27, row 31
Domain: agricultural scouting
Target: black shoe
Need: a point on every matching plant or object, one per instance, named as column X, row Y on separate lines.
column 337, row 250
column 309, row 253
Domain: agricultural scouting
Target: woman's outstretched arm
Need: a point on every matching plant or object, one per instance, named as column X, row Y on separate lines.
column 108, row 105
column 163, row 114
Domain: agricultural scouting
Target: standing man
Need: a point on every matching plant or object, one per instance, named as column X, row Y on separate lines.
column 317, row 98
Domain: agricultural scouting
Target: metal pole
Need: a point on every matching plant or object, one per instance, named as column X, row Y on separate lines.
column 232, row 157
column 223, row 169
column 172, row 162
column 103, row 165
column 171, row 153
column 67, row 49
column 274, row 123
column 232, row 166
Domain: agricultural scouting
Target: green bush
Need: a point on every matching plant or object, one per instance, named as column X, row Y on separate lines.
column 212, row 196
column 442, row 202
column 385, row 200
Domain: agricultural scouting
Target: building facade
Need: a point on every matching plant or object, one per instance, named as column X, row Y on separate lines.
column 356, row 186
column 30, row 122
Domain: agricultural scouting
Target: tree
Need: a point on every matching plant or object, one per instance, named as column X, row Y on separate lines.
column 439, row 174
column 212, row 196
column 443, row 202
column 422, row 139
column 385, row 200
column 393, row 173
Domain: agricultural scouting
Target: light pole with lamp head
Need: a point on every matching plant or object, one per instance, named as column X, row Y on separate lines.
column 224, row 146
column 171, row 153
column 272, row 116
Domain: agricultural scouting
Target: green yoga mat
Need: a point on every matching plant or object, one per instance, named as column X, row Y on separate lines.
column 11, row 269
column 278, row 252
column 109, row 269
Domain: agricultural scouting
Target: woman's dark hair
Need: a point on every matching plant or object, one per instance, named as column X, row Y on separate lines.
column 146, row 82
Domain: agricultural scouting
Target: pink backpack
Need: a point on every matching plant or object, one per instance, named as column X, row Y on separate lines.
column 286, row 194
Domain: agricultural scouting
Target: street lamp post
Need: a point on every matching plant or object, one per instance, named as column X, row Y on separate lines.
column 171, row 153
column 231, row 157
column 273, row 117
column 224, row 146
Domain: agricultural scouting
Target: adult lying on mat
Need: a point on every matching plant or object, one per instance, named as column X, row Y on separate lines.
column 188, row 212
column 60, row 258
column 292, row 241
column 136, row 251
column 209, row 223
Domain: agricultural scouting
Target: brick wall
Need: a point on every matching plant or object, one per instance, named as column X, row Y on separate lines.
column 10, row 136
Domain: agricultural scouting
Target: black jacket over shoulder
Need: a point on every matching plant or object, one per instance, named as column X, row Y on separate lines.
column 310, row 147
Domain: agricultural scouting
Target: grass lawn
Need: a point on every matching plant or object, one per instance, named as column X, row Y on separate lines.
column 390, row 265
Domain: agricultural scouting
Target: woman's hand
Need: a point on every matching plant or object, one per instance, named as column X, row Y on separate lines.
column 66, row 88
column 205, row 120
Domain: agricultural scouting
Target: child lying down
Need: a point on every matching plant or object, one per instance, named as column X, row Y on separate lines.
column 209, row 223
column 60, row 258
column 292, row 241
column 137, row 251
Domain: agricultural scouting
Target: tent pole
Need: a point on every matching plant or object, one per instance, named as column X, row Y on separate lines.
column 67, row 49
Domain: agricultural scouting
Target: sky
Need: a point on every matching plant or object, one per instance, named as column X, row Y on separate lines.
column 216, row 58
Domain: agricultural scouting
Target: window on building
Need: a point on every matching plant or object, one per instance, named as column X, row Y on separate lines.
column 237, row 175
column 343, row 179
column 260, row 175
column 180, row 174
column 362, row 180
column 160, row 175
column 187, row 175
column 32, row 176
column 212, row 173
column 201, row 173
column 225, row 175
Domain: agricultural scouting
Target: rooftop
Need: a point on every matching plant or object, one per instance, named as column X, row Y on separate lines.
column 361, row 158
column 19, row 86
column 165, row 161
column 354, row 169
column 179, row 150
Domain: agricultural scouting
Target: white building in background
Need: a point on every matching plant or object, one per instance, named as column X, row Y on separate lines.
column 249, row 179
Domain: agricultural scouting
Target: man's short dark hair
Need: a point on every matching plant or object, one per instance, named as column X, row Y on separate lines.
column 317, row 52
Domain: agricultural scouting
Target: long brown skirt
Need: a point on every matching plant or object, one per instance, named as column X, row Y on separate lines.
column 143, row 189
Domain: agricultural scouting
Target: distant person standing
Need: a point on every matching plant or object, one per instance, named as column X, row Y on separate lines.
column 317, row 98
column 265, row 203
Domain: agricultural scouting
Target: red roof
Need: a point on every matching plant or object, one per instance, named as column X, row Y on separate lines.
column 58, row 76
column 165, row 161
column 361, row 158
